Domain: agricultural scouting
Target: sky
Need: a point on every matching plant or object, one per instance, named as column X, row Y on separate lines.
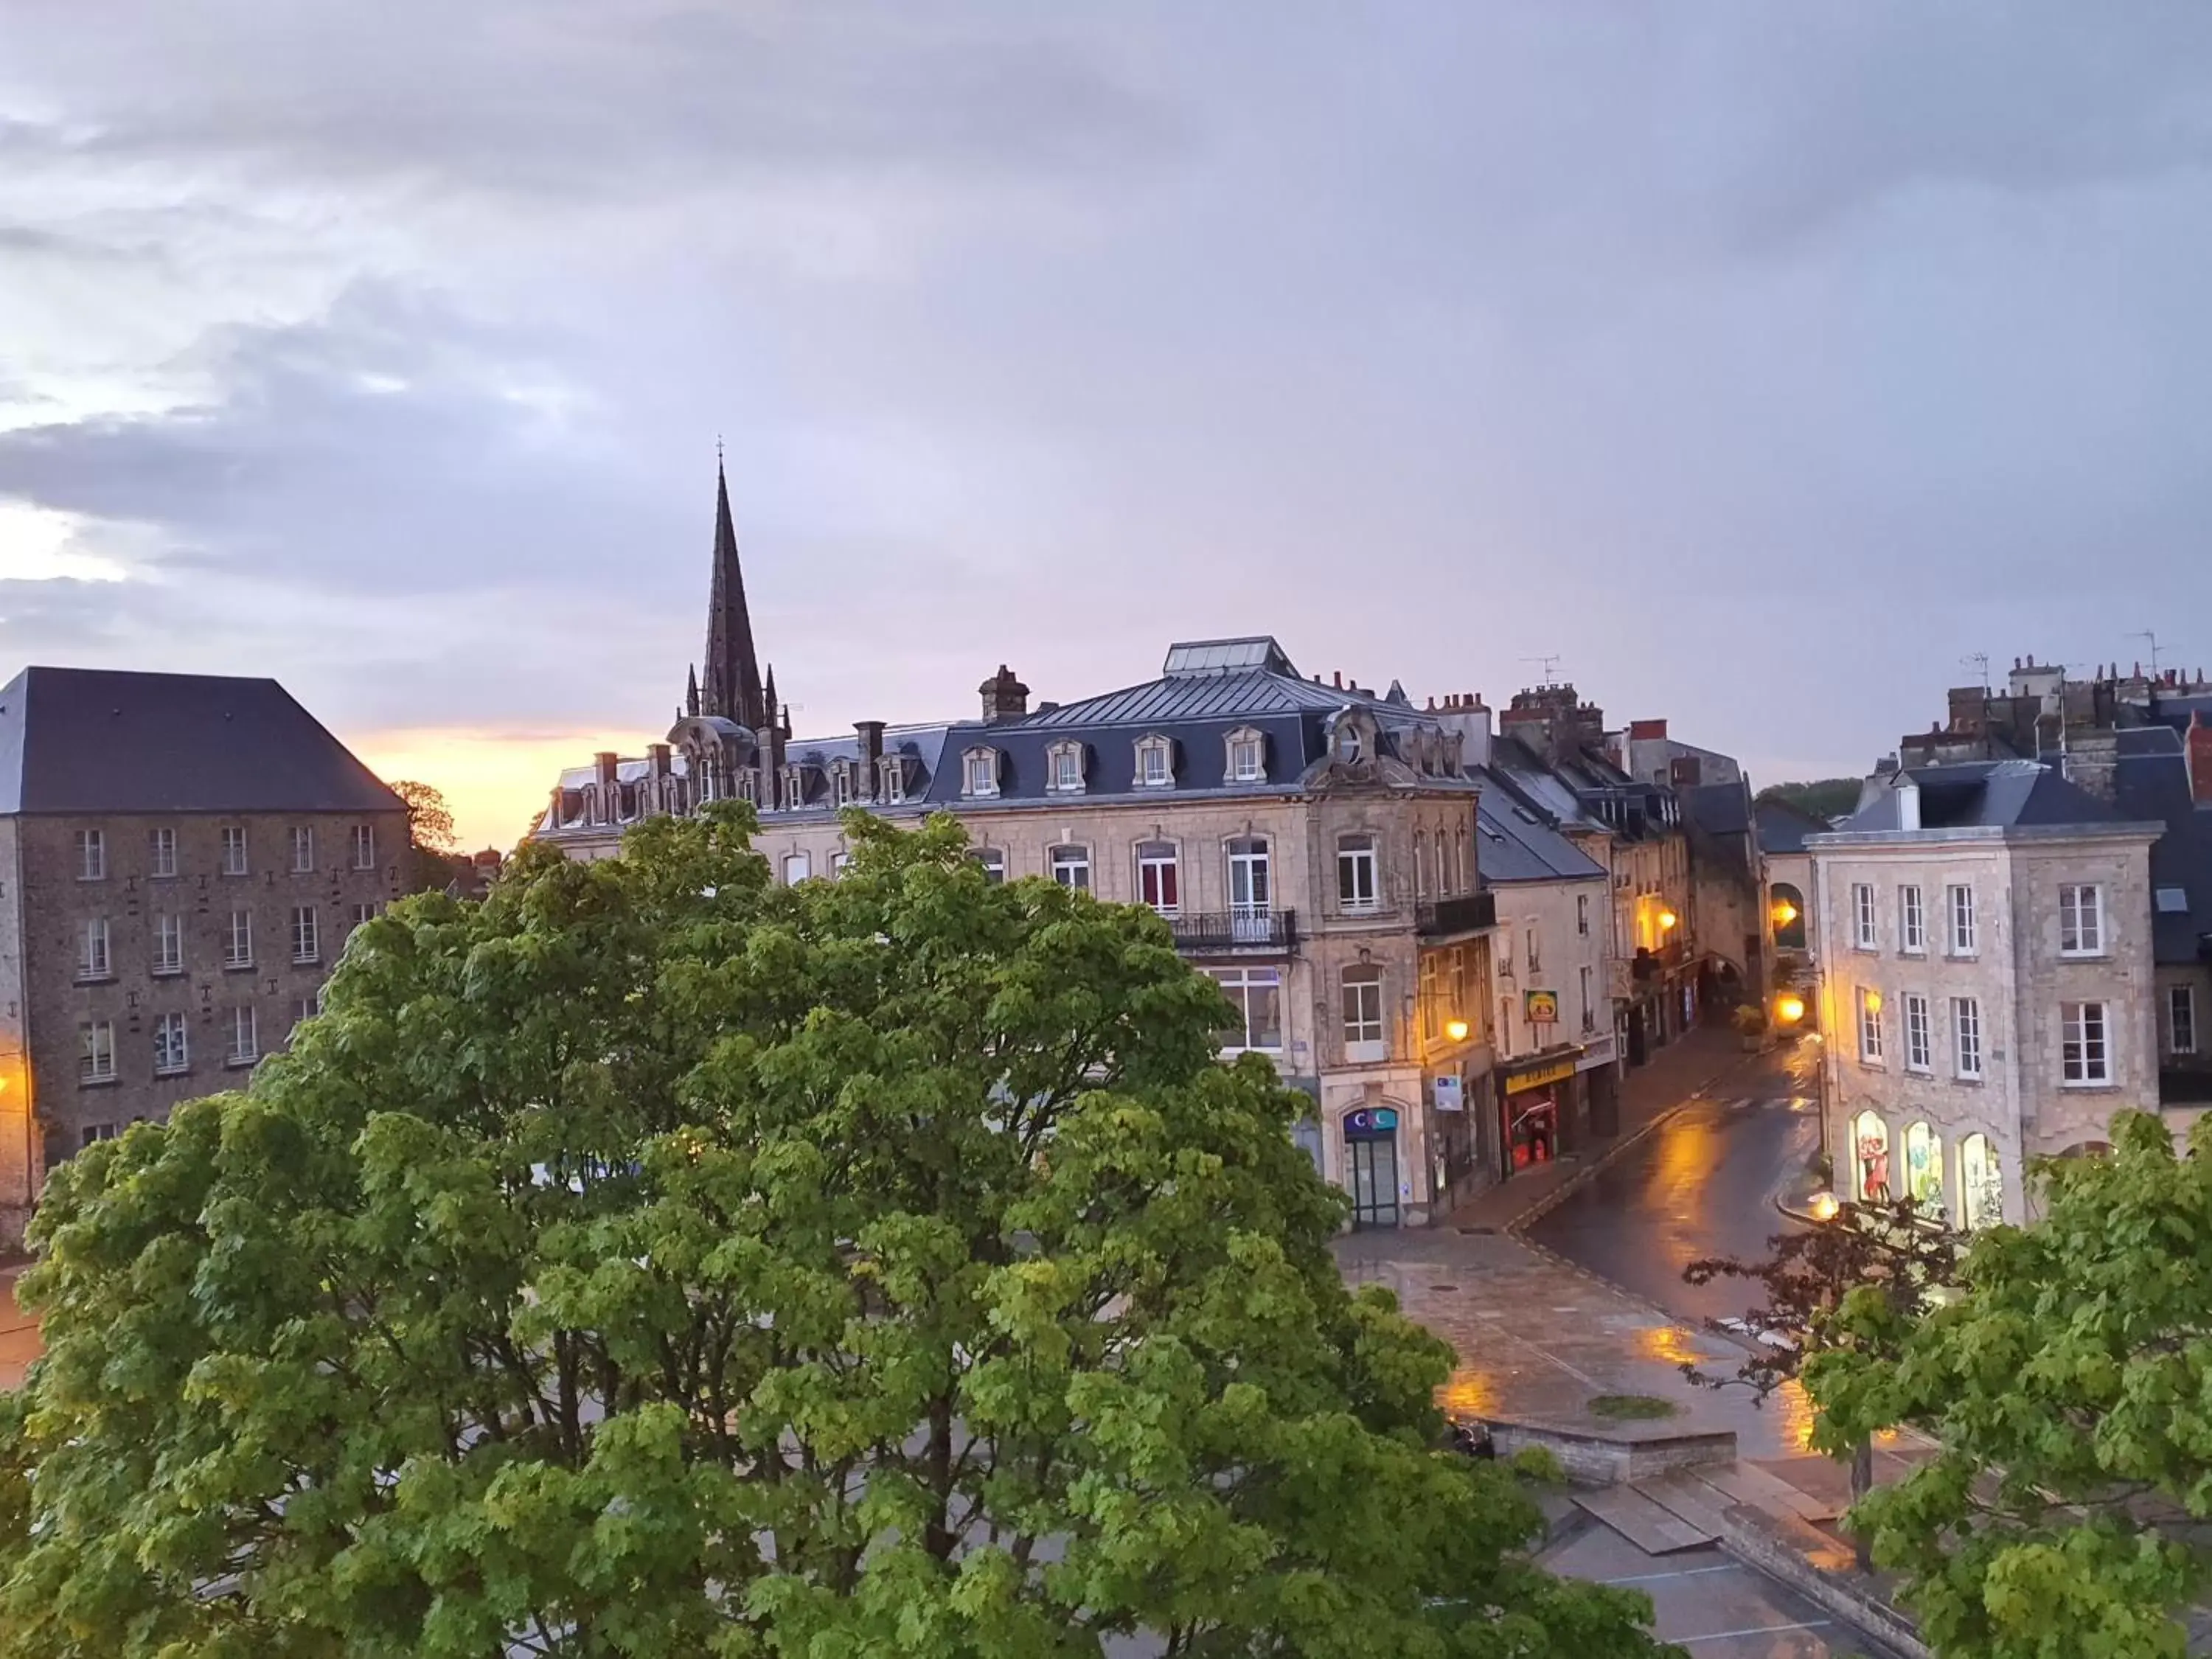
column 1753, row 366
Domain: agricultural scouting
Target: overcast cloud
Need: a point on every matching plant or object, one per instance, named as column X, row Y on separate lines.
column 1758, row 363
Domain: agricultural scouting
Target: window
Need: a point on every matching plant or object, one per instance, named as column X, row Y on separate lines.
column 1356, row 874
column 1505, row 1026
column 364, row 846
column 305, row 1009
column 360, row 913
column 92, row 960
column 894, row 781
column 1363, row 1012
column 1871, row 1148
column 1870, row 1027
column 1582, row 919
column 96, row 1051
column 1251, row 894
column 1924, row 1168
column 307, row 946
column 1257, row 995
column 164, row 850
column 1919, row 1046
column 170, row 1046
column 2180, row 1019
column 1349, row 749
column 1246, row 757
column 1862, row 916
column 2085, row 1052
column 1420, row 866
column 1462, row 867
column 1431, row 992
column 797, row 867
column 1157, row 873
column 92, row 1133
column 841, row 785
column 303, row 847
column 1959, row 905
column 1071, row 867
column 1533, row 954
column 233, row 849
column 1155, row 763
column 238, row 943
column 91, row 856
column 994, row 862
column 245, row 1041
column 2080, row 921
column 1981, row 1188
column 1967, row 1035
column 1065, row 773
column 837, row 863
column 1446, row 881
column 980, row 773
column 1589, row 1013
column 1911, row 920
column 169, row 943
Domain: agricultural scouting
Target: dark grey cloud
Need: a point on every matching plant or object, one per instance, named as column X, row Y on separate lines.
column 1759, row 362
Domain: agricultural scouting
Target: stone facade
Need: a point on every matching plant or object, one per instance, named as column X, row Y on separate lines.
column 1953, row 1022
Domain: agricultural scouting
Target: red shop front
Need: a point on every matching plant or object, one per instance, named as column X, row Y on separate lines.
column 1530, row 1103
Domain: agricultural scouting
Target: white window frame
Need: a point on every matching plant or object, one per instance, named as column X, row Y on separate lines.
column 797, row 867
column 364, row 846
column 1155, row 763
column 1358, row 865
column 169, row 943
column 238, row 941
column 2085, row 1045
column 1360, row 1013
column 91, row 856
column 1421, row 870
column 95, row 960
column 1966, row 1038
column 1919, row 1035
column 838, row 859
column 243, row 1047
column 172, row 1045
column 1069, row 865
column 363, row 913
column 307, row 934
column 95, row 1060
column 893, row 776
column 2081, row 920
column 1064, row 770
column 303, row 849
column 1152, row 857
column 235, row 862
column 1912, row 920
column 1962, row 927
column 1246, row 761
column 979, row 773
column 1869, row 1010
column 1863, row 937
column 1238, row 984
column 162, row 849
column 2181, row 1035
column 841, row 785
column 994, row 862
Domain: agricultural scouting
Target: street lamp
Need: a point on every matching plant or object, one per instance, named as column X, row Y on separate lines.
column 1784, row 913
column 1824, row 1206
column 1790, row 1009
column 1666, row 921
column 1455, row 1030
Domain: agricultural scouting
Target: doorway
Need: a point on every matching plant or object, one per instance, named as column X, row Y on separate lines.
column 1371, row 1165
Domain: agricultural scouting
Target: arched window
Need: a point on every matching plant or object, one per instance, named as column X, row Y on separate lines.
column 1981, row 1187
column 1362, row 1014
column 1071, row 867
column 797, row 867
column 1445, row 882
column 1870, row 1158
column 1462, row 865
column 1923, row 1167
column 1421, row 866
column 1789, row 912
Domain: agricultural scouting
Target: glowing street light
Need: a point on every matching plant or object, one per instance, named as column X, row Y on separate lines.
column 1455, row 1030
column 1784, row 913
column 1790, row 1009
column 1824, row 1206
column 1668, row 919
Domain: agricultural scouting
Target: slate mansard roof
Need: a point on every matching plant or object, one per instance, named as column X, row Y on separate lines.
column 94, row 741
column 1984, row 795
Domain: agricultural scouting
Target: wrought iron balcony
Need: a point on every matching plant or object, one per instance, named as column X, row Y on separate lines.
column 1468, row 914
column 1228, row 933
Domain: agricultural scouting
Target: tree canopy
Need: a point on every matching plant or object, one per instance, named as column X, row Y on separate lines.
column 2069, row 1388
column 653, row 1261
column 1824, row 798
column 429, row 819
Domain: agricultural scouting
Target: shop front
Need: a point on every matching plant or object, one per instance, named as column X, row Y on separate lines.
column 1371, row 1165
column 1539, row 1103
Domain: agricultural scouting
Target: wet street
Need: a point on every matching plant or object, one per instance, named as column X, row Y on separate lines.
column 1703, row 1184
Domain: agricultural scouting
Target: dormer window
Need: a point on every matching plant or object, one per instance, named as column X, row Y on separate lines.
column 841, row 784
column 1349, row 747
column 893, row 786
column 979, row 773
column 1155, row 763
column 1064, row 768
column 794, row 789
column 1248, row 756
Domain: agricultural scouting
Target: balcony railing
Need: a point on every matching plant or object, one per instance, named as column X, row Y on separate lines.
column 1468, row 914
column 1245, row 927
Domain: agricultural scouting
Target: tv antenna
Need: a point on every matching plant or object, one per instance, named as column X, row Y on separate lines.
column 2152, row 638
column 1979, row 659
column 1550, row 666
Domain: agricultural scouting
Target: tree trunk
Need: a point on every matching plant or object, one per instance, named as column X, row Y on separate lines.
column 1862, row 1484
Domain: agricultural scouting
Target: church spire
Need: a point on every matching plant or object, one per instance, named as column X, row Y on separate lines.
column 691, row 690
column 733, row 686
column 767, row 703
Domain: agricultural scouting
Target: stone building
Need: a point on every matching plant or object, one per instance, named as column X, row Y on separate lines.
column 1787, row 866
column 181, row 859
column 1987, row 980
column 1311, row 846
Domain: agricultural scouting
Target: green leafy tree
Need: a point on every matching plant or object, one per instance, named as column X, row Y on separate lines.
column 435, row 859
column 652, row 1260
column 1824, row 798
column 2070, row 1389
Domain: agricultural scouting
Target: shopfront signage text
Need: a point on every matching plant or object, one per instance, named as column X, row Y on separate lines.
column 1556, row 1073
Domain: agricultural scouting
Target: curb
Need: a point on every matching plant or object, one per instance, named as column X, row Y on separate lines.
column 1761, row 1544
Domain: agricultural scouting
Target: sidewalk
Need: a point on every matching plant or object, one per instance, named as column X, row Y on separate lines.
column 1687, row 1067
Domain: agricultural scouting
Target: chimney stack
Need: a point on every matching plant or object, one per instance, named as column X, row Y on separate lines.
column 870, row 733
column 1005, row 697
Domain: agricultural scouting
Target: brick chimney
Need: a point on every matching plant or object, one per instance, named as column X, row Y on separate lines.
column 2200, row 759
column 1005, row 697
column 1647, row 731
column 870, row 733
